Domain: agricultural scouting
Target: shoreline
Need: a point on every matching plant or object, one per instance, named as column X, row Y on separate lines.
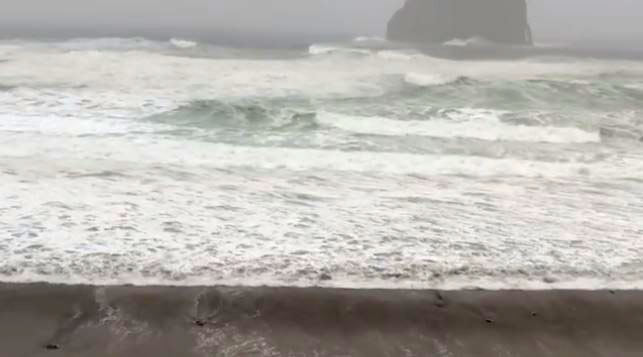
column 328, row 281
column 80, row 320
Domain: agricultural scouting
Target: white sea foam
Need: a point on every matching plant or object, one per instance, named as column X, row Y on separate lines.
column 330, row 49
column 477, row 124
column 397, row 55
column 429, row 79
column 369, row 39
column 180, row 43
column 474, row 41
column 107, row 44
column 92, row 190
column 171, row 218
column 155, row 75
column 162, row 150
column 456, row 43
column 53, row 125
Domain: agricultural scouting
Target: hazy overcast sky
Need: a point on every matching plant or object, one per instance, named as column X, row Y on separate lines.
column 550, row 18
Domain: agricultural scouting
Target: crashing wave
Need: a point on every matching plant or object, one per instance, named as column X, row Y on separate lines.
column 330, row 49
column 427, row 79
column 474, row 124
column 398, row 55
column 180, row 43
column 474, row 41
column 369, row 39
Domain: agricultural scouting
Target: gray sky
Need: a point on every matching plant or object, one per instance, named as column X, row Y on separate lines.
column 586, row 19
column 551, row 19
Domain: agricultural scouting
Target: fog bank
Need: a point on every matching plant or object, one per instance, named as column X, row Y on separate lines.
column 609, row 22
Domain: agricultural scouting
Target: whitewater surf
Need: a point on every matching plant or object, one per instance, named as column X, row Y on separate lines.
column 178, row 162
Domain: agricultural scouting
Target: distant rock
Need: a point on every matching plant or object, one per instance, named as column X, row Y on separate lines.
column 439, row 21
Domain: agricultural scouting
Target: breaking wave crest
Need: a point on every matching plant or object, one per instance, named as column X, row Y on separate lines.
column 482, row 125
column 300, row 115
column 180, row 43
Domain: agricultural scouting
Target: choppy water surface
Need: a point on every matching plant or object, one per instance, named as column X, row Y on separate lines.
column 133, row 161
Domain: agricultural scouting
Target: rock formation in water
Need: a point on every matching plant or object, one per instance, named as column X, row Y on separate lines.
column 438, row 21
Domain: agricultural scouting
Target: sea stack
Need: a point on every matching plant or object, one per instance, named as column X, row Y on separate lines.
column 438, row 21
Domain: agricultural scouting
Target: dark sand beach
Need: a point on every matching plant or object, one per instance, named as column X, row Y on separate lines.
column 56, row 320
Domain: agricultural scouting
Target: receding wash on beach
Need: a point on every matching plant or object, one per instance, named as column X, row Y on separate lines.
column 286, row 178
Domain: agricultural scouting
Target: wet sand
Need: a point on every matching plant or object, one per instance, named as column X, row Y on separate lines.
column 125, row 321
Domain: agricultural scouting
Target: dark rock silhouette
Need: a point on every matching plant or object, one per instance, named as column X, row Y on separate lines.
column 438, row 21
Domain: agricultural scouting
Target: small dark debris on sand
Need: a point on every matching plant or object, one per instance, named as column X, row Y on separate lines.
column 150, row 321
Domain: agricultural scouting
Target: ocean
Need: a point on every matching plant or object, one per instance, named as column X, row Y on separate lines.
column 357, row 164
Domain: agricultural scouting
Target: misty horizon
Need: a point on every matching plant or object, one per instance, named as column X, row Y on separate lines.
column 574, row 20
